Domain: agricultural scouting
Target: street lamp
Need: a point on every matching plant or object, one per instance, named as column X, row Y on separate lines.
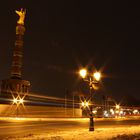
column 92, row 79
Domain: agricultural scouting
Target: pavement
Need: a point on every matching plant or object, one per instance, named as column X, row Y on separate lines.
column 13, row 127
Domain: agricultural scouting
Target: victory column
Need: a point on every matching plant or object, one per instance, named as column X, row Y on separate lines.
column 15, row 86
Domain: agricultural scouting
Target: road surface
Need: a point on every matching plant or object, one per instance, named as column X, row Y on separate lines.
column 10, row 127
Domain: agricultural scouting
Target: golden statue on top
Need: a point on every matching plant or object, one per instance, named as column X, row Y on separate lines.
column 21, row 14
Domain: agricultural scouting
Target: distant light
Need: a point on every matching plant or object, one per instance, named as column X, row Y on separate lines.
column 135, row 111
column 87, row 104
column 83, row 73
column 15, row 100
column 18, row 101
column 94, row 111
column 117, row 111
column 21, row 101
column 121, row 112
column 83, row 104
column 117, row 106
column 112, row 111
column 97, row 76
column 106, row 113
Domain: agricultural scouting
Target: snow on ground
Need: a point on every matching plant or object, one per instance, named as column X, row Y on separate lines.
column 82, row 134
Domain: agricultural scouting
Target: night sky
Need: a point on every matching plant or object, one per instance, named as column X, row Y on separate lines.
column 62, row 36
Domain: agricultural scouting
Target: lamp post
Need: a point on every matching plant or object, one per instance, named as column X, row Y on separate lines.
column 92, row 79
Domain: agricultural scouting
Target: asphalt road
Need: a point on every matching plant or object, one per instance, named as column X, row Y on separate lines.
column 10, row 127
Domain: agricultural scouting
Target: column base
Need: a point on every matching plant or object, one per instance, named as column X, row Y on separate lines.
column 91, row 129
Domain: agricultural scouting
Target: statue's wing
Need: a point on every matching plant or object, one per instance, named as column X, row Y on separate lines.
column 17, row 12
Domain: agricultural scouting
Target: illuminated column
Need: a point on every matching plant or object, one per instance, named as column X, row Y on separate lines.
column 18, row 53
column 18, row 49
column 16, row 86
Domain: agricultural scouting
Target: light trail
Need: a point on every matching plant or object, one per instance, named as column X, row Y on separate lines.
column 48, row 97
column 57, row 101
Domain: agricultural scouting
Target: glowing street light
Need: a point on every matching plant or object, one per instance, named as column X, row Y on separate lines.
column 18, row 100
column 85, row 104
column 83, row 73
column 15, row 100
column 21, row 101
column 97, row 76
column 92, row 80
